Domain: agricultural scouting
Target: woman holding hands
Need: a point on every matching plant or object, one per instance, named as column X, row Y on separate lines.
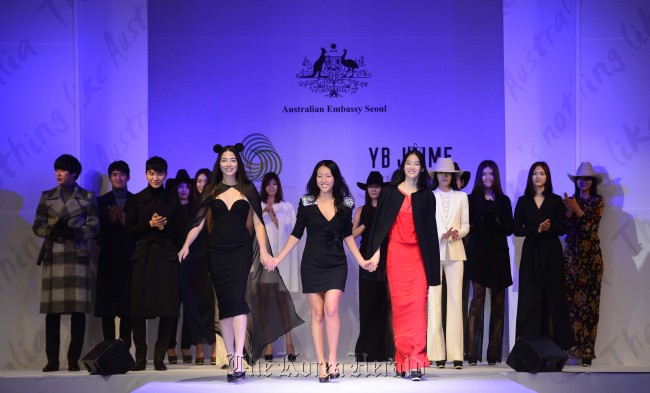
column 326, row 212
column 231, row 207
column 406, row 220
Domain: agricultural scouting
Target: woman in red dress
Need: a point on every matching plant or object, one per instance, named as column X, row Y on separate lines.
column 406, row 219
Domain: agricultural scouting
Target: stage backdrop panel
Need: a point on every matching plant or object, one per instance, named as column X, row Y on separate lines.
column 73, row 80
column 428, row 74
column 614, row 135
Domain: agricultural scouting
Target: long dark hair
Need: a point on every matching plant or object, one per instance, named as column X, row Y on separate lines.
column 217, row 175
column 424, row 180
column 264, row 196
column 340, row 189
column 479, row 187
column 195, row 189
column 530, row 187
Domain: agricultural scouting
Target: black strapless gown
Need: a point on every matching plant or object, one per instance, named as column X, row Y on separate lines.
column 230, row 256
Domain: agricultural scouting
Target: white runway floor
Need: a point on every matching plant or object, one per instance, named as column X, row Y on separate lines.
column 279, row 378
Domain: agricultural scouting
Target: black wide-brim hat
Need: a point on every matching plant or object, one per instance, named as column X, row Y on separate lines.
column 374, row 178
column 463, row 175
column 181, row 177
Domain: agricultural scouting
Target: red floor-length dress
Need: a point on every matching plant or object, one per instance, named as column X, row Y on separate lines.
column 408, row 291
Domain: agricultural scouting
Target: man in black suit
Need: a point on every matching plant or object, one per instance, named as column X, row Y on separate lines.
column 150, row 219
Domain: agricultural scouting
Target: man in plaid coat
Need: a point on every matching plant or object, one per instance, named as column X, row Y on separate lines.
column 67, row 219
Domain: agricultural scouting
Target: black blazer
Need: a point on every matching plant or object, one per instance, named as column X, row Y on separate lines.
column 155, row 288
column 424, row 217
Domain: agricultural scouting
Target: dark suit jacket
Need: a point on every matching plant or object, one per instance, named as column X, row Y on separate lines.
column 424, row 217
column 155, row 259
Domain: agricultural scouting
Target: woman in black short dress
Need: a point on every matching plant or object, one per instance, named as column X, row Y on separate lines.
column 326, row 212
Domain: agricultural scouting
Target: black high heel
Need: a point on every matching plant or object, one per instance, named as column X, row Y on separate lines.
column 236, row 376
column 333, row 375
column 292, row 356
column 326, row 378
column 268, row 358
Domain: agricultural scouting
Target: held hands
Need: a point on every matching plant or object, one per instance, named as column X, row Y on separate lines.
column 369, row 265
column 269, row 262
column 158, row 222
column 372, row 263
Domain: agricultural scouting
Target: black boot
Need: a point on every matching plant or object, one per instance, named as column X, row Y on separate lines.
column 77, row 333
column 52, row 341
column 140, row 341
column 165, row 327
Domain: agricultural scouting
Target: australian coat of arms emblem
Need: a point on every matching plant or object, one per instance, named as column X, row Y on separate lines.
column 334, row 73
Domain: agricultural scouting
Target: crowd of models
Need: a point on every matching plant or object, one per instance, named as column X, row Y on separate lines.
column 424, row 243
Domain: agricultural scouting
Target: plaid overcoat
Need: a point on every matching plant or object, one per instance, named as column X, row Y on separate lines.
column 65, row 284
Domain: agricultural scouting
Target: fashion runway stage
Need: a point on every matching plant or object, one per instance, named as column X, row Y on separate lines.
column 300, row 377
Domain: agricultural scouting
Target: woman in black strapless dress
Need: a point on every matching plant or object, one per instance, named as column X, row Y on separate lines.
column 231, row 208
column 326, row 212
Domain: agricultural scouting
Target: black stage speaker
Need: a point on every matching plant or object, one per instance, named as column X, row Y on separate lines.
column 539, row 354
column 108, row 357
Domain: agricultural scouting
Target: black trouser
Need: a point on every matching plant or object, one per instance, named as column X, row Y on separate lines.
column 53, row 336
column 108, row 329
column 186, row 336
column 165, row 326
column 475, row 324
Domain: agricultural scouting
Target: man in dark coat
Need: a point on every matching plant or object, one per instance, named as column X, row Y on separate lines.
column 150, row 217
column 114, row 268
column 66, row 218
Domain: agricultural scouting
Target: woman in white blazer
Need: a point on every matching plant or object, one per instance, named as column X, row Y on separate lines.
column 452, row 220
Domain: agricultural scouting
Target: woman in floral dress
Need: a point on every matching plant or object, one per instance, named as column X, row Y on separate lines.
column 583, row 260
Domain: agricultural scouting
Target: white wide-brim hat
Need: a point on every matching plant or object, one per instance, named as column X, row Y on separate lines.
column 445, row 165
column 586, row 170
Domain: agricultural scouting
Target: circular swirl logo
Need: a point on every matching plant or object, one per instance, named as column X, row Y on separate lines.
column 260, row 157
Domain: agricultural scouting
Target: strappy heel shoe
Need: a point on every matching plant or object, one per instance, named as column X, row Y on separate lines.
column 326, row 378
column 236, row 376
column 335, row 374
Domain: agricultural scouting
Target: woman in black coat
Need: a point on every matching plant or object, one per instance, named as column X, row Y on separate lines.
column 542, row 310
column 407, row 213
column 488, row 260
